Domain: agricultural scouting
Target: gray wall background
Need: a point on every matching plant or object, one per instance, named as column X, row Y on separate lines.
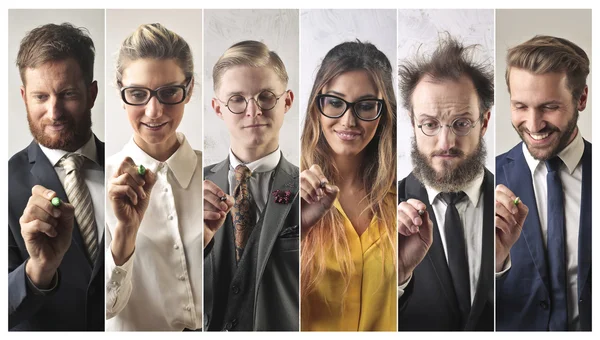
column 515, row 26
column 21, row 21
column 278, row 29
column 323, row 29
column 120, row 23
column 418, row 30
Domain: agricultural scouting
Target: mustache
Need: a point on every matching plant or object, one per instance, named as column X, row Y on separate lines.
column 548, row 128
column 450, row 152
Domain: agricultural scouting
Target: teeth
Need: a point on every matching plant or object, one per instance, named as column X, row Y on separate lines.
column 539, row 136
column 154, row 125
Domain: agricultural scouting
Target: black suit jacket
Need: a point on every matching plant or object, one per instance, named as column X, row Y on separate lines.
column 78, row 301
column 523, row 292
column 276, row 293
column 429, row 302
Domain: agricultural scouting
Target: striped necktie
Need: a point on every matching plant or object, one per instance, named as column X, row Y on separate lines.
column 79, row 196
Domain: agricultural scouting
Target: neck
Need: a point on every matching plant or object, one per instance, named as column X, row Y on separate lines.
column 248, row 155
column 349, row 169
column 77, row 146
column 161, row 151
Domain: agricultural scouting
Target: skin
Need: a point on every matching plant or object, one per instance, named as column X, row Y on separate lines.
column 253, row 133
column 444, row 100
column 128, row 191
column 58, row 103
column 348, row 137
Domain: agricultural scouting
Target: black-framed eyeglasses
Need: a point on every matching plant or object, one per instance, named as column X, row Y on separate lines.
column 460, row 126
column 266, row 100
column 335, row 107
column 167, row 95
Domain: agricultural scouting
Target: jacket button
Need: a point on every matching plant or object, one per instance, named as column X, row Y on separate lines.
column 235, row 289
column 580, row 300
column 228, row 326
column 543, row 304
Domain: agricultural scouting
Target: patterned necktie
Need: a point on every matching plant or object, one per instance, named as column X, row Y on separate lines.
column 243, row 210
column 457, row 254
column 79, row 196
column 556, row 247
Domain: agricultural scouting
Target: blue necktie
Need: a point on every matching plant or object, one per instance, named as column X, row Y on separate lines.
column 556, row 247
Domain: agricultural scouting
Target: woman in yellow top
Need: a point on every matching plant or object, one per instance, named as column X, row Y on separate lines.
column 348, row 180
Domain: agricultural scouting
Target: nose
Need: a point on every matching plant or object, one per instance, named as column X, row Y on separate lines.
column 348, row 119
column 534, row 120
column 446, row 138
column 54, row 108
column 154, row 109
column 252, row 108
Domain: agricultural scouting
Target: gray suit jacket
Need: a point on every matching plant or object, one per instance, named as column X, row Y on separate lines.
column 276, row 294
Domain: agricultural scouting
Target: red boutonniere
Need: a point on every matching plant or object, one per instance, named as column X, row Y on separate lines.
column 282, row 197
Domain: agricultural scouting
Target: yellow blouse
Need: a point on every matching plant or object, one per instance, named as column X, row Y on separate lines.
column 370, row 303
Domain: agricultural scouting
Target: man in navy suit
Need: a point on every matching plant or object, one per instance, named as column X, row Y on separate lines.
column 55, row 269
column 544, row 193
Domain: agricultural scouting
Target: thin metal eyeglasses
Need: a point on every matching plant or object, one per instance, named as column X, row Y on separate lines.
column 167, row 95
column 460, row 126
column 266, row 100
column 335, row 107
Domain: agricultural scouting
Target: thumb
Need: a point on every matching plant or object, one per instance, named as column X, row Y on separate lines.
column 426, row 229
column 331, row 192
column 150, row 179
column 67, row 216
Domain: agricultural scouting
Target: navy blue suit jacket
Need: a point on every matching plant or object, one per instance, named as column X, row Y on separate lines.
column 78, row 301
column 522, row 294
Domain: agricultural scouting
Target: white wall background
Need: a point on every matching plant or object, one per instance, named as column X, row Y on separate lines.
column 120, row 24
column 418, row 31
column 278, row 29
column 21, row 21
column 517, row 26
column 323, row 29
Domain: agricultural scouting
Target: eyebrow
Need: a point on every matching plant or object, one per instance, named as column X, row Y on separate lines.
column 460, row 115
column 241, row 93
column 551, row 102
column 163, row 85
column 366, row 96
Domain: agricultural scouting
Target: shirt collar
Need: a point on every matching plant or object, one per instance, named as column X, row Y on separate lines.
column 472, row 190
column 88, row 150
column 570, row 155
column 182, row 162
column 265, row 164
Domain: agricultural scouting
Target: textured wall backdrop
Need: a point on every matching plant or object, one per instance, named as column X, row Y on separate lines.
column 517, row 26
column 278, row 29
column 120, row 23
column 21, row 21
column 418, row 30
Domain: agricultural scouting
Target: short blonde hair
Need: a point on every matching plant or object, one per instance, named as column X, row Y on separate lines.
column 544, row 54
column 248, row 53
column 154, row 41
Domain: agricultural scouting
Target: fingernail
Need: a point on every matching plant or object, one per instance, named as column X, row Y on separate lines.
column 223, row 206
column 514, row 210
column 49, row 194
column 418, row 221
column 143, row 195
column 55, row 212
column 320, row 192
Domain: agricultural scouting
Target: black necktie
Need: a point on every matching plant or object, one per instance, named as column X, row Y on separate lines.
column 556, row 247
column 457, row 254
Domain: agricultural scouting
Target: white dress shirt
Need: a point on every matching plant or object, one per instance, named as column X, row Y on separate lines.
column 571, row 178
column 260, row 180
column 160, row 286
column 93, row 175
column 471, row 214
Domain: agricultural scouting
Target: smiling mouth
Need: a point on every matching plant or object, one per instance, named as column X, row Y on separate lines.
column 154, row 126
column 56, row 127
column 539, row 136
column 348, row 135
column 254, row 126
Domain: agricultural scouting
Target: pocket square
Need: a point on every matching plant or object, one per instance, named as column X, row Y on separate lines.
column 290, row 232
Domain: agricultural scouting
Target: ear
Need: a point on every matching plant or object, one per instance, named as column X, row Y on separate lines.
column 289, row 99
column 582, row 102
column 216, row 105
column 92, row 93
column 23, row 94
column 410, row 115
column 484, row 122
column 190, row 91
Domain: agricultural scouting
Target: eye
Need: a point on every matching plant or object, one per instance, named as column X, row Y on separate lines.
column 431, row 124
column 367, row 106
column 550, row 107
column 40, row 97
column 170, row 92
column 334, row 102
column 70, row 94
column 462, row 123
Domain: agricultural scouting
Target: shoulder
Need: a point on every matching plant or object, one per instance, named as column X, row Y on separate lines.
column 18, row 161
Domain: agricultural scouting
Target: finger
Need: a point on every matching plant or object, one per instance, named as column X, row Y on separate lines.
column 332, row 190
column 150, row 178
column 418, row 205
column 214, row 200
column 507, row 202
column 311, row 184
column 411, row 212
column 406, row 221
column 36, row 213
column 38, row 226
column 502, row 224
column 306, row 196
column 45, row 205
column 127, row 179
column 506, row 191
column 213, row 188
column 212, row 215
column 426, row 229
column 38, row 190
column 505, row 214
column 126, row 166
column 403, row 230
column 120, row 192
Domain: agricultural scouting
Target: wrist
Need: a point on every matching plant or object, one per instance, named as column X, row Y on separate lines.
column 123, row 243
column 40, row 274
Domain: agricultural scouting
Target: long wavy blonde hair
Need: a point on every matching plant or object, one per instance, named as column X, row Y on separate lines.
column 378, row 170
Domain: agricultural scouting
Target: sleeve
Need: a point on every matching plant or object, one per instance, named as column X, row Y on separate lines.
column 118, row 281
column 505, row 268
column 402, row 287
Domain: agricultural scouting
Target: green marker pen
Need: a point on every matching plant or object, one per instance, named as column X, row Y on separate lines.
column 141, row 170
column 55, row 201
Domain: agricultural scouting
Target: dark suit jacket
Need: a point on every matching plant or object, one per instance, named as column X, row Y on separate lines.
column 276, row 294
column 429, row 302
column 522, row 294
column 78, row 301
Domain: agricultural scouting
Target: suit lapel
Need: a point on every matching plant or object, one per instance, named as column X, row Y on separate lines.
column 518, row 178
column 286, row 178
column 585, row 221
column 435, row 255
column 47, row 177
column 485, row 289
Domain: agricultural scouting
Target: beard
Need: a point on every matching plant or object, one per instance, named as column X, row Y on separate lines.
column 543, row 154
column 448, row 180
column 74, row 134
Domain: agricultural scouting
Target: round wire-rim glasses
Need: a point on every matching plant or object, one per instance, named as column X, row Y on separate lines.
column 461, row 126
column 267, row 97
